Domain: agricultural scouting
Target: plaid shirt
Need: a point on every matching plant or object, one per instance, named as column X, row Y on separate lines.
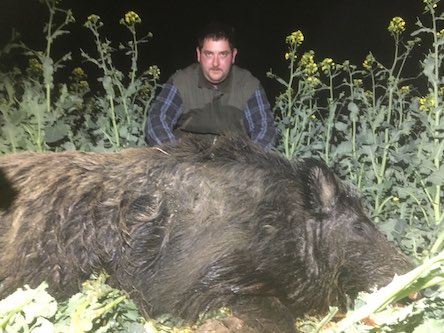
column 168, row 107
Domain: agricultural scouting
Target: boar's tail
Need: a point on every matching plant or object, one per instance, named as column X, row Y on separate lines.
column 7, row 192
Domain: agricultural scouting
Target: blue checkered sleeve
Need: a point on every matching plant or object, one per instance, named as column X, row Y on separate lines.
column 163, row 115
column 260, row 119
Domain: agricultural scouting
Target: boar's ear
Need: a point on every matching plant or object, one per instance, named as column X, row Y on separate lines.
column 322, row 188
column 7, row 192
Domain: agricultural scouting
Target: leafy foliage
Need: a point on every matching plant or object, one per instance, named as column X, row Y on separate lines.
column 97, row 308
column 38, row 114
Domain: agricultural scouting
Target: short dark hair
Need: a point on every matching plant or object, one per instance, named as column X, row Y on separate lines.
column 217, row 31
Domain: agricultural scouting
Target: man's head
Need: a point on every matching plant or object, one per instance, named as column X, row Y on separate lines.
column 216, row 52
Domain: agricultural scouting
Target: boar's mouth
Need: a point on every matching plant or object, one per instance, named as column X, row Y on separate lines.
column 367, row 279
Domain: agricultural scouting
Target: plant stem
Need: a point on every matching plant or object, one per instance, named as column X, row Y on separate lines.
column 114, row 121
column 438, row 109
column 289, row 97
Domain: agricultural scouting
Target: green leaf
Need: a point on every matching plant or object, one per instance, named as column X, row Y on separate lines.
column 431, row 325
column 437, row 177
column 57, row 132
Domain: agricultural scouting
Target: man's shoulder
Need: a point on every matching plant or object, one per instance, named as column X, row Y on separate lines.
column 243, row 78
column 241, row 71
column 244, row 75
column 186, row 73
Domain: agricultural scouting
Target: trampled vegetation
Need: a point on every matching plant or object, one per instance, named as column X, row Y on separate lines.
column 376, row 128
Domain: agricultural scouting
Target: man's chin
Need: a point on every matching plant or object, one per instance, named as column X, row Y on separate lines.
column 216, row 79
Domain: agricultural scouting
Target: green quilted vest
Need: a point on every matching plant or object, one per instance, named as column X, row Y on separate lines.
column 210, row 110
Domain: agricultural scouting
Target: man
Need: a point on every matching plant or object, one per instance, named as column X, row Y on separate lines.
column 212, row 97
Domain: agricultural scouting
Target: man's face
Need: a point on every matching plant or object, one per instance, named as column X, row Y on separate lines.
column 216, row 58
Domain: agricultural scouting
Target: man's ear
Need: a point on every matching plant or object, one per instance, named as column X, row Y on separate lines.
column 198, row 54
column 234, row 55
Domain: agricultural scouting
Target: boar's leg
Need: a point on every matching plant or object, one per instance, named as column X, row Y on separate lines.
column 253, row 315
column 264, row 314
column 229, row 324
column 253, row 296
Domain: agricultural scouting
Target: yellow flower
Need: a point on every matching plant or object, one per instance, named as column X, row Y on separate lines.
column 395, row 199
column 154, row 71
column 368, row 62
column 78, row 73
column 396, row 26
column 93, row 22
column 357, row 82
column 78, row 81
column 290, row 55
column 313, row 81
column 288, row 92
column 327, row 65
column 311, row 69
column 83, row 85
column 296, row 38
column 93, row 18
column 132, row 18
column 404, row 90
column 427, row 103
column 440, row 34
column 368, row 94
column 35, row 65
column 308, row 64
column 431, row 3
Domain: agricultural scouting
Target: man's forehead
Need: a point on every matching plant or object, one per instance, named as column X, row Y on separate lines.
column 212, row 43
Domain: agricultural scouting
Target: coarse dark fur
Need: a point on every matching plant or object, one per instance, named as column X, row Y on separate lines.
column 193, row 226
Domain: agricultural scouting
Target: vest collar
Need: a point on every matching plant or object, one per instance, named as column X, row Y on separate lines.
column 224, row 86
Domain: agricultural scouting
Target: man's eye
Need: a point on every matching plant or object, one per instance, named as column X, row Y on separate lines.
column 208, row 54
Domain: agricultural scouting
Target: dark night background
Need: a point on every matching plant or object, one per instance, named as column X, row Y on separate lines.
column 342, row 29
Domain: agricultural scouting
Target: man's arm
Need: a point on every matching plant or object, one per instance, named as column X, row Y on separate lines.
column 260, row 120
column 163, row 115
